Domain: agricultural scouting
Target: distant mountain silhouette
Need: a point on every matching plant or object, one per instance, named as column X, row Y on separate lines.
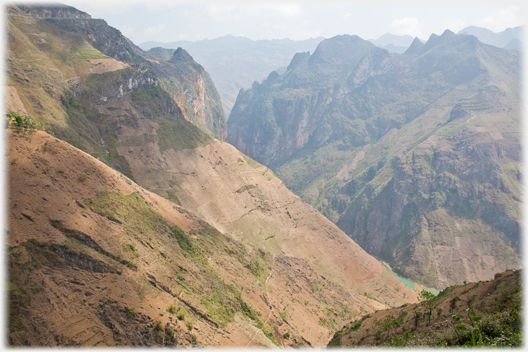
column 509, row 39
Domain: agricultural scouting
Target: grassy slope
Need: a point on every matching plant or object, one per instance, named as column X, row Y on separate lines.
column 451, row 321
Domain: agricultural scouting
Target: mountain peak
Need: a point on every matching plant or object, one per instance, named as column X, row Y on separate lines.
column 181, row 54
column 341, row 50
column 448, row 33
column 415, row 47
column 297, row 59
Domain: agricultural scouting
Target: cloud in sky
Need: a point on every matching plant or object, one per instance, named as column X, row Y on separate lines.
column 455, row 25
column 511, row 16
column 154, row 29
column 266, row 19
column 127, row 30
column 406, row 26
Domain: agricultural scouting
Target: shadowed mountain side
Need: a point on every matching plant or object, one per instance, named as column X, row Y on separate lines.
column 417, row 157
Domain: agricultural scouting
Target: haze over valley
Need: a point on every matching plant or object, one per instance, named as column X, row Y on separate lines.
column 167, row 189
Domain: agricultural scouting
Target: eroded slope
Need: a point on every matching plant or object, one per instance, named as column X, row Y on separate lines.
column 96, row 260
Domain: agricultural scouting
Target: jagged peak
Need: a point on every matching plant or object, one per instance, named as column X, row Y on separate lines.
column 342, row 50
column 415, row 47
column 297, row 59
column 181, row 56
column 272, row 78
column 449, row 37
column 447, row 33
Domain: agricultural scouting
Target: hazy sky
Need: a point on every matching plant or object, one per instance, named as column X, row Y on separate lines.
column 163, row 20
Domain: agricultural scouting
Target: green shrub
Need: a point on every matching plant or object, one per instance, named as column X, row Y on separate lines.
column 158, row 326
column 182, row 314
column 82, row 177
column 24, row 122
column 130, row 312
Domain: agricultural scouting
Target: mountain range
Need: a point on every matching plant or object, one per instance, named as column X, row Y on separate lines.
column 133, row 222
column 130, row 224
column 235, row 62
column 509, row 39
column 417, row 156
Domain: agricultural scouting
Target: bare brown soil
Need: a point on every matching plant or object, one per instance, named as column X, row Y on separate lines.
column 107, row 65
column 13, row 102
column 246, row 200
column 72, row 301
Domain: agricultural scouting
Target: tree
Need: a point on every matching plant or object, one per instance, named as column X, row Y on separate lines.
column 430, row 302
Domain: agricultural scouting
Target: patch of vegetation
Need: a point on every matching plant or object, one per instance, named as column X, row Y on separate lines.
column 131, row 209
column 177, row 133
column 146, row 95
column 269, row 335
column 315, row 286
column 183, row 239
column 173, row 197
column 158, row 326
column 24, row 123
column 18, row 299
column 182, row 314
column 130, row 312
column 254, row 164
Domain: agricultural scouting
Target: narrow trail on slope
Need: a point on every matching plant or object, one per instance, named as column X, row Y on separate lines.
column 268, row 298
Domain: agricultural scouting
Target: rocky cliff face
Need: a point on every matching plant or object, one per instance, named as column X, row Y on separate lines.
column 235, row 62
column 397, row 148
column 85, row 64
column 194, row 91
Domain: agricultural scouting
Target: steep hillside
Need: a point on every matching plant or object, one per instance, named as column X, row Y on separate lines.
column 235, row 62
column 478, row 314
column 245, row 199
column 96, row 260
column 416, row 156
column 148, row 140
